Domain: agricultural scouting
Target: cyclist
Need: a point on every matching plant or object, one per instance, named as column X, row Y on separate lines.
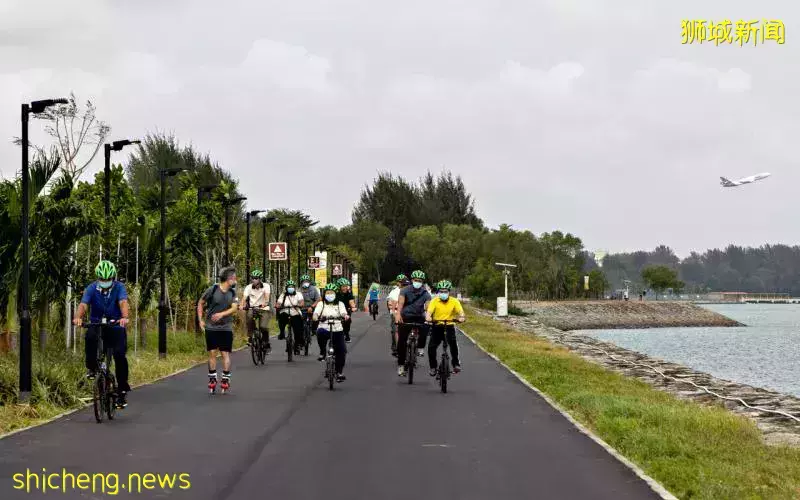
column 215, row 310
column 107, row 299
column 336, row 311
column 311, row 298
column 256, row 296
column 373, row 296
column 411, row 307
column 346, row 297
column 391, row 303
column 444, row 308
column 289, row 307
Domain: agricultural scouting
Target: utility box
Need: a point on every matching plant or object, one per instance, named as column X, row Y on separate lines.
column 502, row 306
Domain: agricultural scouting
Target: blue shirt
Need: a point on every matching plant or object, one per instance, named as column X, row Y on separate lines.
column 104, row 302
column 373, row 294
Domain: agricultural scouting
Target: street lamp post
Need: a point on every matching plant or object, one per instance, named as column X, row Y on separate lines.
column 107, row 149
column 25, row 371
column 289, row 255
column 162, row 301
column 228, row 204
column 249, row 215
column 265, row 221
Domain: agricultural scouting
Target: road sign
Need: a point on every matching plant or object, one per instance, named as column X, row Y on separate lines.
column 337, row 270
column 313, row 262
column 277, row 251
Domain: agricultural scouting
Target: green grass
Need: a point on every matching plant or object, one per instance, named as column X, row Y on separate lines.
column 695, row 451
column 59, row 382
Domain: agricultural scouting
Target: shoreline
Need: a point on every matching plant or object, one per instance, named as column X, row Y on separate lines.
column 618, row 315
column 776, row 429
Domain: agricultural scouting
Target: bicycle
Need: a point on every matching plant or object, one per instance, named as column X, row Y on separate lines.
column 258, row 345
column 307, row 332
column 289, row 333
column 104, row 388
column 330, row 359
column 411, row 350
column 373, row 309
column 443, row 371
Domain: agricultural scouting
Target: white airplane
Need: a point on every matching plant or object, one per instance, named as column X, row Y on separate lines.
column 745, row 180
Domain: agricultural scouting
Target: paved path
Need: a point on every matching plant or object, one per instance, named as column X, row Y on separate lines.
column 281, row 434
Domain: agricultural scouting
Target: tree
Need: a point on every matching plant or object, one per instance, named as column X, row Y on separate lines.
column 598, row 284
column 76, row 131
column 370, row 240
column 659, row 278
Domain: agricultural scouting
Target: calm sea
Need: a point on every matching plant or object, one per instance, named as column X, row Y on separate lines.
column 765, row 353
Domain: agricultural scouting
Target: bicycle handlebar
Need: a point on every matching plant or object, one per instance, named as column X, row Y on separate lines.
column 112, row 322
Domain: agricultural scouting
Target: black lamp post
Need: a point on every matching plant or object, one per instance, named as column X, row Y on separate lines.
column 289, row 254
column 227, row 203
column 248, row 216
column 107, row 149
column 265, row 221
column 162, row 301
column 25, row 378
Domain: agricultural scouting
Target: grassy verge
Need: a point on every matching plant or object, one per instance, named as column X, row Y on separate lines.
column 694, row 451
column 59, row 382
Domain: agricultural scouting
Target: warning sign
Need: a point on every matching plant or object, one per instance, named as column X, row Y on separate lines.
column 313, row 262
column 277, row 251
column 337, row 270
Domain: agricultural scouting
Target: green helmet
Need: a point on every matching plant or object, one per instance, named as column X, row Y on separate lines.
column 444, row 285
column 256, row 274
column 332, row 287
column 343, row 282
column 105, row 270
column 305, row 277
column 419, row 275
column 289, row 283
column 401, row 277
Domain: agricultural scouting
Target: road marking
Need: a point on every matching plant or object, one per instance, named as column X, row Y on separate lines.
column 654, row 485
column 437, row 446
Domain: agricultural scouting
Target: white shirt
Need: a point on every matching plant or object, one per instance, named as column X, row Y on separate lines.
column 290, row 303
column 394, row 295
column 328, row 310
column 259, row 297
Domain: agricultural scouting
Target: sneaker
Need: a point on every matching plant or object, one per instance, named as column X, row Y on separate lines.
column 401, row 371
column 122, row 401
column 340, row 378
column 433, row 372
column 269, row 348
column 321, row 357
column 281, row 336
column 420, row 352
column 394, row 353
column 456, row 368
column 347, row 339
column 90, row 375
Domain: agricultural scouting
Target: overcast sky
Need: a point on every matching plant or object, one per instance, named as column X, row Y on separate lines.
column 587, row 116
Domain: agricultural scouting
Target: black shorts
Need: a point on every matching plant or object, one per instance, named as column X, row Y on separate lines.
column 219, row 339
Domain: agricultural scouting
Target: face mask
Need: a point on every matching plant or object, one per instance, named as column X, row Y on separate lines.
column 417, row 284
column 306, row 285
column 105, row 284
column 290, row 290
column 330, row 297
column 444, row 295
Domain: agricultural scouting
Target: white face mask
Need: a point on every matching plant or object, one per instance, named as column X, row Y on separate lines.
column 330, row 297
column 105, row 284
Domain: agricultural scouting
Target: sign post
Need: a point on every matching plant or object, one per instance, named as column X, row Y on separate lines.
column 313, row 262
column 277, row 251
column 502, row 302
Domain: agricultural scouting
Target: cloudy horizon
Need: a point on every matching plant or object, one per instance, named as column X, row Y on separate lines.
column 583, row 116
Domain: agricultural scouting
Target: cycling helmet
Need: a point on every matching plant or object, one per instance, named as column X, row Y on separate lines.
column 332, row 287
column 343, row 282
column 305, row 277
column 418, row 275
column 105, row 270
column 256, row 274
column 444, row 285
column 401, row 277
column 289, row 283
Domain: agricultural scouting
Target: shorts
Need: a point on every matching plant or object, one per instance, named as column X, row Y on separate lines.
column 221, row 340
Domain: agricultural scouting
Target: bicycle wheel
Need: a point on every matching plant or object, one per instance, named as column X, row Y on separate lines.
column 444, row 372
column 111, row 396
column 98, row 396
column 262, row 349
column 289, row 344
column 255, row 347
column 411, row 359
column 331, row 370
column 307, row 338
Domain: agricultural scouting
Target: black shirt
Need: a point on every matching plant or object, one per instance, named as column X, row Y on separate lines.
column 414, row 306
column 346, row 298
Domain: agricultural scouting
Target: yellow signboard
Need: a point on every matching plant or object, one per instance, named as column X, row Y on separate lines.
column 355, row 286
column 585, row 282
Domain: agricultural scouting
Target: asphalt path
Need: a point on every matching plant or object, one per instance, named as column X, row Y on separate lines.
column 280, row 433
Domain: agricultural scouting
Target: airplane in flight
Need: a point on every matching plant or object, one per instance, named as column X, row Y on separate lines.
column 745, row 180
